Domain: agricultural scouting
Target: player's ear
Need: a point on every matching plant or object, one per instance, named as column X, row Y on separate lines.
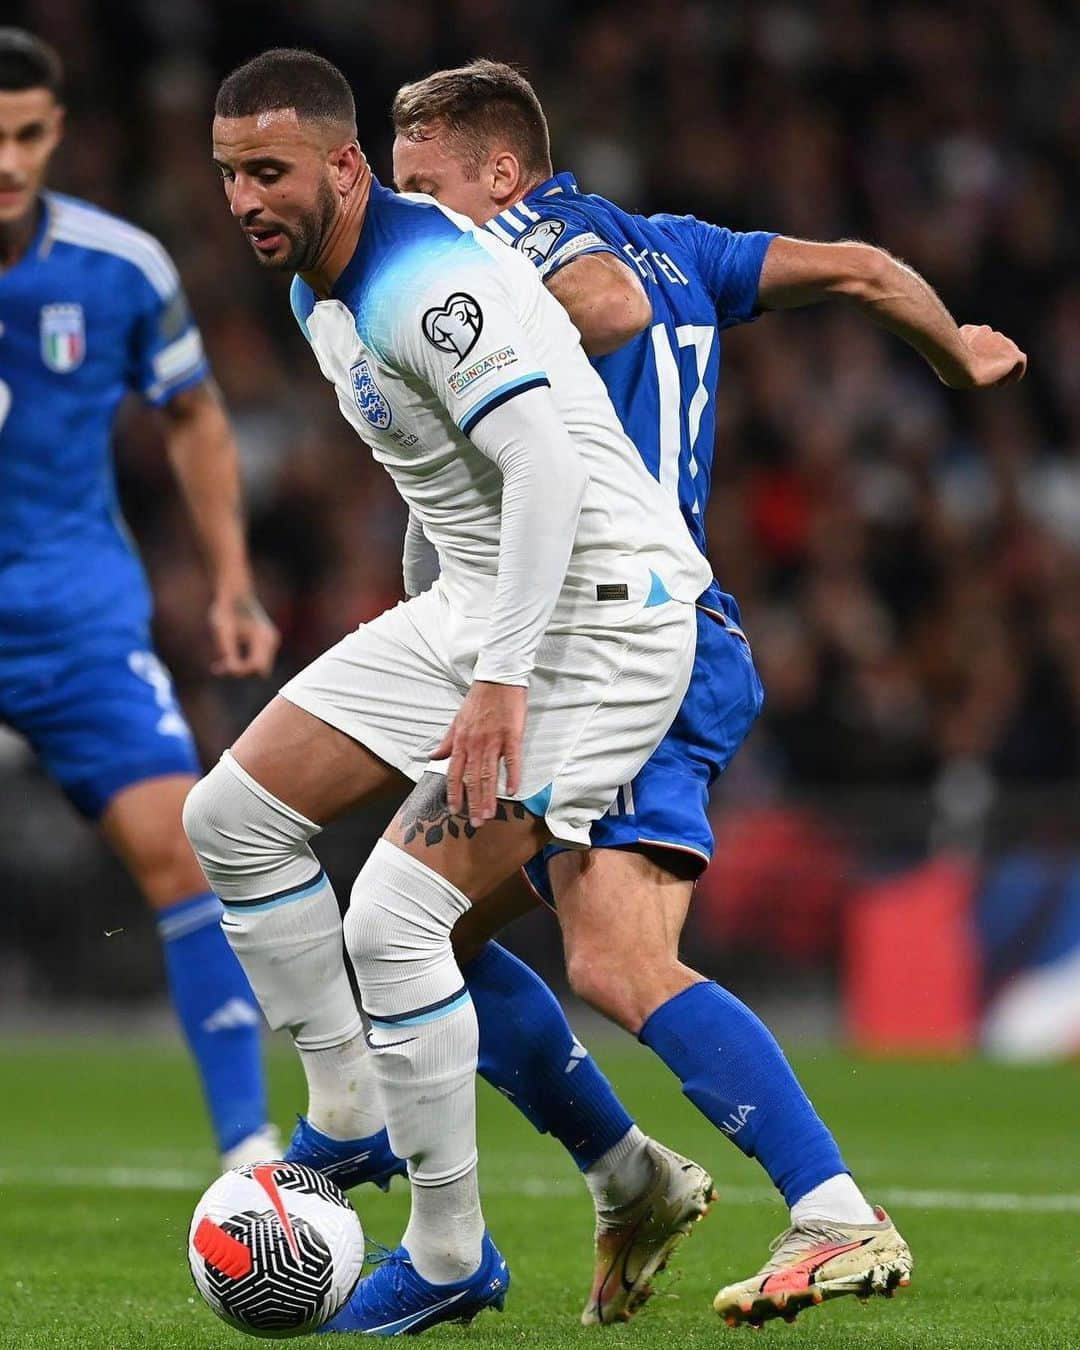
column 348, row 165
column 505, row 176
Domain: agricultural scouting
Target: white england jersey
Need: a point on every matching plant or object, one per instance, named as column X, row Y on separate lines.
column 434, row 324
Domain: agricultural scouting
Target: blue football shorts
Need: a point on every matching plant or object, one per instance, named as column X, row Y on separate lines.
column 666, row 807
column 101, row 714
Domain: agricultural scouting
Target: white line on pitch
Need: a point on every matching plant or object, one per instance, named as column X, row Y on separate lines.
column 194, row 1179
column 889, row 1195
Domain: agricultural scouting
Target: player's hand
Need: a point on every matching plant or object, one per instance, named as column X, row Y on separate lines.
column 245, row 640
column 991, row 359
column 487, row 731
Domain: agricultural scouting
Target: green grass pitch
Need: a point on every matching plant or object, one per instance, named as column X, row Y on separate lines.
column 103, row 1149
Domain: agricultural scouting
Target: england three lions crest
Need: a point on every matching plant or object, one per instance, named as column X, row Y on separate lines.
column 374, row 408
column 63, row 337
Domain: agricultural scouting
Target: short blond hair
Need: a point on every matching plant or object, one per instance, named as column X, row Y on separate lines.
column 477, row 105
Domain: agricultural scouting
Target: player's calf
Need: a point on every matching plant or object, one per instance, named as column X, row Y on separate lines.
column 221, row 1023
column 622, row 912
column 423, row 1039
column 281, row 916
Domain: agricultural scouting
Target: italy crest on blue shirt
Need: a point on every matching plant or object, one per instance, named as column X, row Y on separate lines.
column 63, row 337
column 374, row 409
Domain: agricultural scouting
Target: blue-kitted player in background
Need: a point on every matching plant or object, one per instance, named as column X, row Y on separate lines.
column 91, row 309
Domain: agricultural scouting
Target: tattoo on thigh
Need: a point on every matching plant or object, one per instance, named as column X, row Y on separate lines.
column 426, row 812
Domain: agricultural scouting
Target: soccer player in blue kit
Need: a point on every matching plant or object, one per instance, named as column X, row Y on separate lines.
column 650, row 298
column 91, row 309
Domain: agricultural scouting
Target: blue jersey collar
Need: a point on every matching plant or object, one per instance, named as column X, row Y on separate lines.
column 563, row 184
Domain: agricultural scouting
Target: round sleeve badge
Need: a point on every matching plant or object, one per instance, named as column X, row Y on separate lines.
column 455, row 326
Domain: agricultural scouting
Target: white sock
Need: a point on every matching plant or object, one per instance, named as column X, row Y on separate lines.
column 620, row 1174
column 446, row 1230
column 281, row 916
column 343, row 1096
column 423, row 1038
column 837, row 1200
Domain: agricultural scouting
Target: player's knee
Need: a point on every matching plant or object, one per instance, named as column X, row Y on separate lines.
column 626, row 987
column 210, row 814
column 380, row 924
column 400, row 917
column 199, row 816
column 365, row 940
column 599, row 982
column 248, row 843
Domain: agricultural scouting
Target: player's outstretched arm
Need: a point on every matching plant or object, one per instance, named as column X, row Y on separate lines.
column 798, row 272
column 605, row 300
column 204, row 457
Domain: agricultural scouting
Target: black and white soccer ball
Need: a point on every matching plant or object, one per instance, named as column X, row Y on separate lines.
column 275, row 1248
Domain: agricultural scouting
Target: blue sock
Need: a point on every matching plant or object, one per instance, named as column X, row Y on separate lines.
column 529, row 1053
column 219, row 1016
column 732, row 1069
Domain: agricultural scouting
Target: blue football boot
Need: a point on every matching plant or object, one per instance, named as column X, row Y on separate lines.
column 397, row 1301
column 347, row 1162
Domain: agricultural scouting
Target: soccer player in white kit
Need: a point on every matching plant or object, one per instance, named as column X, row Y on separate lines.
column 535, row 676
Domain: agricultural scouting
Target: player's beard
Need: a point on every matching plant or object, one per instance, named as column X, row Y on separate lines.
column 307, row 236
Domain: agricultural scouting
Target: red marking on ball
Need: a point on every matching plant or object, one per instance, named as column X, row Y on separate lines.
column 221, row 1250
column 264, row 1175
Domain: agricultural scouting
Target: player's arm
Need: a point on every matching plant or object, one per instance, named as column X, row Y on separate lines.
column 544, row 482
column 605, row 300
column 463, row 339
column 204, row 456
column 796, row 272
column 169, row 370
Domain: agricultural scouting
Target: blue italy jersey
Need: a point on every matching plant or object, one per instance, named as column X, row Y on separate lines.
column 93, row 310
column 700, row 279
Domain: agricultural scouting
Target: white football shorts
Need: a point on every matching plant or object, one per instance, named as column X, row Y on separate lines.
column 600, row 699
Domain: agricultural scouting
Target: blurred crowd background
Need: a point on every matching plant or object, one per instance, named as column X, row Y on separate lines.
column 907, row 558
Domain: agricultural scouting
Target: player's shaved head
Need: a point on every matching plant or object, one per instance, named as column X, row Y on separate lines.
column 483, row 106
column 285, row 143
column 287, row 77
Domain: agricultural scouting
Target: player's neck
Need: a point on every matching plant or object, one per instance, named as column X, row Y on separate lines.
column 342, row 238
column 16, row 236
column 518, row 196
column 531, row 186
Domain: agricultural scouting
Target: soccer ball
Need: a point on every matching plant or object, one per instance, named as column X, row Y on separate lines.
column 275, row 1248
